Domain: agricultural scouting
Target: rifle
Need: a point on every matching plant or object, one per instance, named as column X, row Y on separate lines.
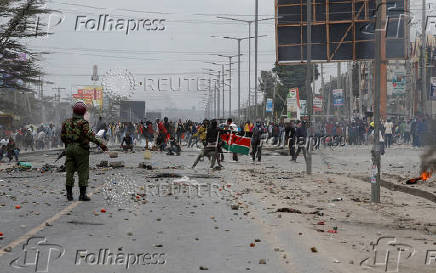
column 60, row 156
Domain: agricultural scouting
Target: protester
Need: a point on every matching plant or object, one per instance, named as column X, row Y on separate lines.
column 127, row 143
column 12, row 150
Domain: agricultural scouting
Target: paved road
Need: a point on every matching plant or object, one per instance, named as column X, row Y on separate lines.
column 178, row 232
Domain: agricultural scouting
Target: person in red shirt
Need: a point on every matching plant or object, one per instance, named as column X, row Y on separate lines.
column 162, row 137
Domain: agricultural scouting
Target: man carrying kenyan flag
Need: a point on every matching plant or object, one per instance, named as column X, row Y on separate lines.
column 235, row 142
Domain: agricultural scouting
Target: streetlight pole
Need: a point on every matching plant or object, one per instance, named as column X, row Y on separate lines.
column 249, row 22
column 239, row 65
column 222, row 67
column 218, row 95
column 230, row 80
column 218, row 85
column 249, row 71
column 214, row 95
column 230, row 86
column 214, row 101
column 256, row 35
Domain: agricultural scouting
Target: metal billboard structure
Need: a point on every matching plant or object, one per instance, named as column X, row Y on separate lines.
column 342, row 30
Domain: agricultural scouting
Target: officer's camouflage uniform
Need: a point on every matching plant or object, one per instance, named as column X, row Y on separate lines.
column 77, row 135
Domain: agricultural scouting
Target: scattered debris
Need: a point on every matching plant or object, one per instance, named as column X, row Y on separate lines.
column 314, row 250
column 113, row 154
column 144, row 165
column 47, row 168
column 167, row 175
column 103, row 164
column 117, row 164
column 289, row 210
column 25, row 165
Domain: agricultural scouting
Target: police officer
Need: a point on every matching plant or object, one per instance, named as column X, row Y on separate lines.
column 76, row 135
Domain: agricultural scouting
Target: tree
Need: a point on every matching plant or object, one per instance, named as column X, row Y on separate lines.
column 266, row 84
column 286, row 77
column 19, row 21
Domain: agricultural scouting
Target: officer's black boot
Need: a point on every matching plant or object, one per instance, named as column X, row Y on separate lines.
column 83, row 196
column 69, row 193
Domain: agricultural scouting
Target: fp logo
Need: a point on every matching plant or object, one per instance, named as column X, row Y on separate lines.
column 38, row 254
column 387, row 254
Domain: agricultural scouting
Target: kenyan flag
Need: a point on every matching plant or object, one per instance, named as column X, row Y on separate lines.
column 235, row 143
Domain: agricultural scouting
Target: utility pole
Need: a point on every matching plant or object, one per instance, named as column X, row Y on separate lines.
column 214, row 101
column 239, row 78
column 249, row 22
column 370, row 86
column 239, row 62
column 350, row 91
column 209, row 101
column 249, row 76
column 360, row 91
column 274, row 98
column 329, row 95
column 230, row 77
column 230, row 86
column 218, row 95
column 308, row 81
column 323, row 91
column 256, row 44
column 224, row 89
column 423, row 58
column 379, row 58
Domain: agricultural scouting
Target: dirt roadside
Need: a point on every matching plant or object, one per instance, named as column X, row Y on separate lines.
column 342, row 223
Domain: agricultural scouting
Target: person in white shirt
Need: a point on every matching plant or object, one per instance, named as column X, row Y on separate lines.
column 389, row 127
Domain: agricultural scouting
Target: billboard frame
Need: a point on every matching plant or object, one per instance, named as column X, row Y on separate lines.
column 368, row 19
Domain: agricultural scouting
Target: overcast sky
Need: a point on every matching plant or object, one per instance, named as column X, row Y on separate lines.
column 180, row 49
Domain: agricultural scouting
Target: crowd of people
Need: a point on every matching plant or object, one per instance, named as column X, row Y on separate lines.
column 28, row 138
column 166, row 135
